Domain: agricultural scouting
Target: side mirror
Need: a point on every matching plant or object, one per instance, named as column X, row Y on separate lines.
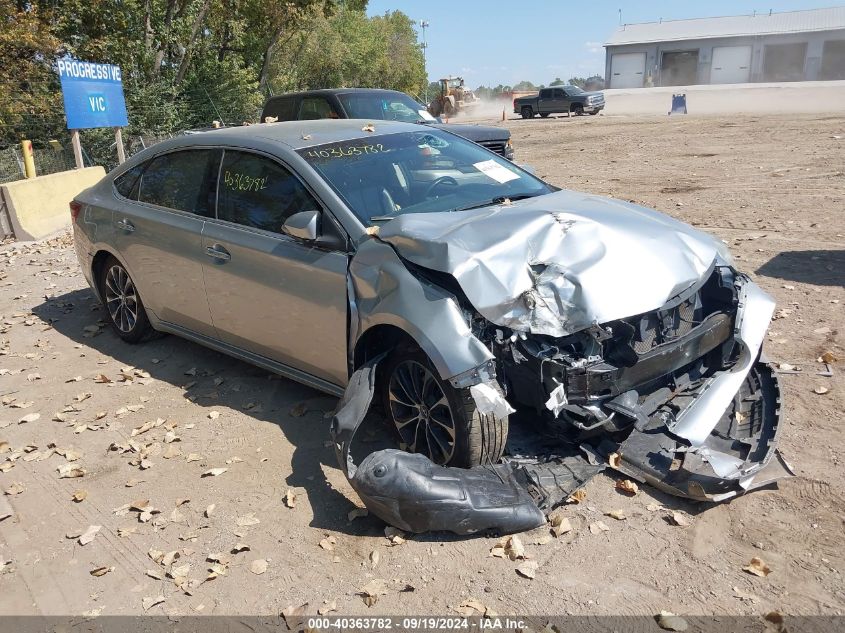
column 302, row 225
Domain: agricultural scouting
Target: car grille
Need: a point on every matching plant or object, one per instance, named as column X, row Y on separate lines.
column 663, row 326
column 494, row 146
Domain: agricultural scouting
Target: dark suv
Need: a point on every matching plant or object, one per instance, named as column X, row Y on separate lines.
column 376, row 104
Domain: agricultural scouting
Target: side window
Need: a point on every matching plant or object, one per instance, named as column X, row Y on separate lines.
column 283, row 108
column 316, row 108
column 258, row 192
column 559, row 93
column 545, row 94
column 126, row 183
column 181, row 180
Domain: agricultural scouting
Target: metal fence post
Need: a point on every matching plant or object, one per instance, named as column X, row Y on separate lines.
column 28, row 159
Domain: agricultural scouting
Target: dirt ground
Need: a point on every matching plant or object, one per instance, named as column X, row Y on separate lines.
column 773, row 188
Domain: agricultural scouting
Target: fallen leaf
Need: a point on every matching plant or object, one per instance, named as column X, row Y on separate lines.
column 258, row 566
column 372, row 590
column 357, row 513
column 149, row 603
column 676, row 518
column 102, row 379
column 614, row 459
column 213, row 415
column 598, row 527
column 829, row 358
column 328, row 543
column 88, row 535
column 290, row 498
column 240, row 547
column 670, row 622
column 32, row 417
column 528, row 569
column 70, row 471
column 100, row 571
column 394, row 535
column 327, row 608
column 820, row 390
column 619, row 515
column 15, row 489
column 209, row 510
column 627, row 486
column 559, row 524
column 375, row 558
column 214, row 472
column 577, row 497
column 757, row 567
column 470, row 608
column 508, row 547
column 293, row 616
column 79, row 495
column 369, row 128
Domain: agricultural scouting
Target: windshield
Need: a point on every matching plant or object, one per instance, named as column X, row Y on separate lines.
column 381, row 177
column 390, row 107
column 574, row 90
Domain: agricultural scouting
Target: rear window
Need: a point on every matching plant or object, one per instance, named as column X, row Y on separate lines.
column 125, row 183
column 184, row 181
column 282, row 108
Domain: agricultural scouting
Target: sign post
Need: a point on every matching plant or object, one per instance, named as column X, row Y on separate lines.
column 93, row 96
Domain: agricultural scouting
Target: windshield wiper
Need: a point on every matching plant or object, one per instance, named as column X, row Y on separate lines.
column 496, row 200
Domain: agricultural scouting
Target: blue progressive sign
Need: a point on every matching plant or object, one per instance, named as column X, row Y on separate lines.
column 93, row 94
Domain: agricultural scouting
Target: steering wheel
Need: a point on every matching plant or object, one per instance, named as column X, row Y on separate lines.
column 443, row 180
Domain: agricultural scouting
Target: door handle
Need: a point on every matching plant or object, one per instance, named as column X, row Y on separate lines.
column 218, row 252
column 125, row 225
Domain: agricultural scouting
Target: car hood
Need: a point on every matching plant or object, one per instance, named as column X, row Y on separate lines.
column 475, row 133
column 558, row 263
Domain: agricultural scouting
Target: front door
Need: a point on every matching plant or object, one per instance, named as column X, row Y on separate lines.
column 271, row 294
column 159, row 235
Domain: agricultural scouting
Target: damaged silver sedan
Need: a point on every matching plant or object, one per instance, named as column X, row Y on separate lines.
column 514, row 337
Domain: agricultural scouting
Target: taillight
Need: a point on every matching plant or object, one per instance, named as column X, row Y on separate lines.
column 75, row 208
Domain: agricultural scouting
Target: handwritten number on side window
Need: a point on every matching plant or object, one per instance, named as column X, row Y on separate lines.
column 243, row 182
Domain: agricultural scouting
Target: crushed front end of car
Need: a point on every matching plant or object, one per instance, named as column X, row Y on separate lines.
column 629, row 336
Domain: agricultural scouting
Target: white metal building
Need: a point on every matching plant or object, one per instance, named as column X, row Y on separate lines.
column 791, row 46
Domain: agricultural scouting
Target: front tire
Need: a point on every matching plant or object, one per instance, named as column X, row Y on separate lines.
column 577, row 109
column 123, row 304
column 431, row 417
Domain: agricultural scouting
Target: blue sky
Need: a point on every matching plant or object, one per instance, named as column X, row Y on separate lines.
column 495, row 41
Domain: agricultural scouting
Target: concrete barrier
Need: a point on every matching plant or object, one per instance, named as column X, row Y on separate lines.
column 38, row 207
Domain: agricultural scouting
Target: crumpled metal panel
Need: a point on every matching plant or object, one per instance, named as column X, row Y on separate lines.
column 558, row 263
column 752, row 320
column 386, row 292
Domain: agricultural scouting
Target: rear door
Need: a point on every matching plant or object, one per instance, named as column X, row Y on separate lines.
column 271, row 294
column 159, row 235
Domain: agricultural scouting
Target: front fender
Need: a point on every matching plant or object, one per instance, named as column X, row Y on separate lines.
column 385, row 292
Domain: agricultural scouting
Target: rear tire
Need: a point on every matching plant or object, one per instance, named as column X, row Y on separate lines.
column 431, row 417
column 123, row 304
column 527, row 113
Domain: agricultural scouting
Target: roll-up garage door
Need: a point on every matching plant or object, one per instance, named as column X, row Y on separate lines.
column 730, row 65
column 627, row 70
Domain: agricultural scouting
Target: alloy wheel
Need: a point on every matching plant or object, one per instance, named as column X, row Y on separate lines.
column 421, row 413
column 121, row 298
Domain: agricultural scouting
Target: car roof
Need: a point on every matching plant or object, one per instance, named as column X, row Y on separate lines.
column 301, row 134
column 337, row 91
